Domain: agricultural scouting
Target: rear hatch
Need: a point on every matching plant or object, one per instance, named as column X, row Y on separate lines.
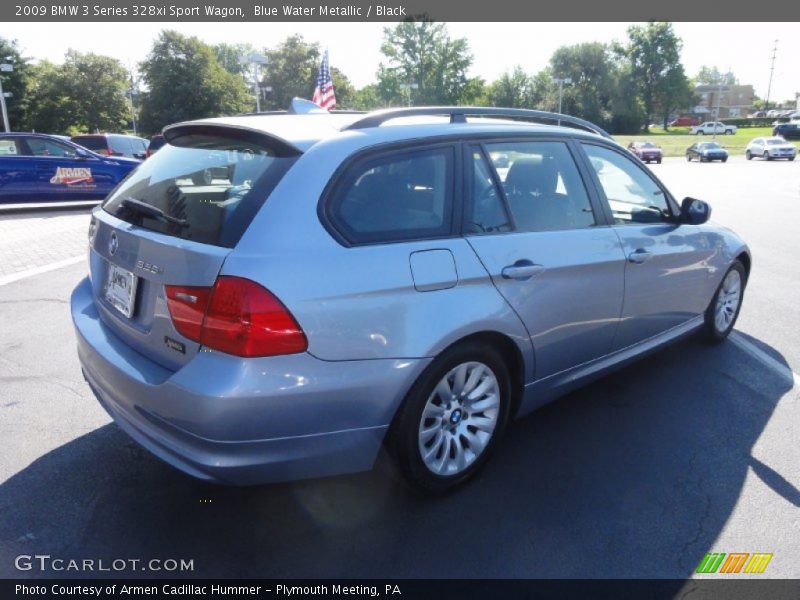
column 172, row 223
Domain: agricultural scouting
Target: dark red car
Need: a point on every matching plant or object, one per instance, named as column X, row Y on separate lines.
column 646, row 151
column 685, row 122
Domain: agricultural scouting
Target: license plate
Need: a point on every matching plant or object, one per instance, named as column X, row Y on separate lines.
column 121, row 290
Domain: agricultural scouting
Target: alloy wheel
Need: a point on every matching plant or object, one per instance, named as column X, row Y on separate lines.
column 459, row 418
column 728, row 299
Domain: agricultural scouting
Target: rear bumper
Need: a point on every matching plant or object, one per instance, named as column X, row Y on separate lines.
column 244, row 421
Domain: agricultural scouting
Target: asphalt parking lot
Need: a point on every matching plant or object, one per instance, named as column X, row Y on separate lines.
column 692, row 450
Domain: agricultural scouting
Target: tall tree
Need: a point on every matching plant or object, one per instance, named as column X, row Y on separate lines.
column 97, row 86
column 653, row 52
column 230, row 57
column 186, row 81
column 514, row 89
column 291, row 72
column 424, row 65
column 84, row 94
column 16, row 83
column 713, row 76
column 591, row 69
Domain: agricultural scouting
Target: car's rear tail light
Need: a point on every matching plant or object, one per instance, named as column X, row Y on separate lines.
column 236, row 316
column 187, row 306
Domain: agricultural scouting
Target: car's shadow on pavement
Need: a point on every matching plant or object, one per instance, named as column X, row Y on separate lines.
column 632, row 476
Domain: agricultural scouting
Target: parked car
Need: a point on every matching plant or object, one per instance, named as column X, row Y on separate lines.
column 113, row 144
column 758, row 114
column 706, row 152
column 788, row 131
column 685, row 122
column 339, row 292
column 156, row 142
column 35, row 167
column 713, row 127
column 646, row 151
column 770, row 148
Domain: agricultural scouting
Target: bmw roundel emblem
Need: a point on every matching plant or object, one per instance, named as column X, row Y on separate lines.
column 113, row 244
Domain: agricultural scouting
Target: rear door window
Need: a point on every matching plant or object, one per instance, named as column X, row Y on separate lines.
column 540, row 183
column 401, row 195
column 202, row 187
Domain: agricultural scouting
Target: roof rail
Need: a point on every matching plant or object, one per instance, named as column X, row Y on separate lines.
column 459, row 114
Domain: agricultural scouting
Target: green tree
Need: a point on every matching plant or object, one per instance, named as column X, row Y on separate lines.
column 653, row 53
column 713, row 76
column 96, row 86
column 16, row 83
column 514, row 89
column 291, row 72
column 344, row 89
column 186, row 81
column 230, row 57
column 591, row 68
column 84, row 94
column 50, row 109
column 424, row 65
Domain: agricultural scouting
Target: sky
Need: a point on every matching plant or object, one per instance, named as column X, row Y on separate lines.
column 744, row 48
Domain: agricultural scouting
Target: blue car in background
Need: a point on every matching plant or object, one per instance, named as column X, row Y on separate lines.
column 44, row 168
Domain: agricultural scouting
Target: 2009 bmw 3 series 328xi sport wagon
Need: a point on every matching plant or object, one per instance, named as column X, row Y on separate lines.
column 276, row 296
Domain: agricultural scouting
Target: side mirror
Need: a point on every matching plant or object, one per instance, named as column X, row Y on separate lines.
column 694, row 211
column 139, row 155
column 81, row 153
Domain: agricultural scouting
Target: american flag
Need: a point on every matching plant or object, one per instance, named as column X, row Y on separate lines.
column 323, row 93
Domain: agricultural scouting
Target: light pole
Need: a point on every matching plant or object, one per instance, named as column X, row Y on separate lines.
column 5, row 68
column 771, row 71
column 561, row 81
column 133, row 110
column 256, row 60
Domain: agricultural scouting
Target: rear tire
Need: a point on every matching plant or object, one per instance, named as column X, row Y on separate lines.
column 452, row 417
column 722, row 312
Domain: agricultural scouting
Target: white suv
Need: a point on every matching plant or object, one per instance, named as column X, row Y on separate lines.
column 713, row 127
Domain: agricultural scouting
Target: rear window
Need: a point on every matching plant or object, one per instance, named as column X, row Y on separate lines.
column 201, row 187
column 394, row 197
column 96, row 143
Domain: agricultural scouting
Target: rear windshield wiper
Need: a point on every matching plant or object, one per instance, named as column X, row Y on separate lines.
column 152, row 211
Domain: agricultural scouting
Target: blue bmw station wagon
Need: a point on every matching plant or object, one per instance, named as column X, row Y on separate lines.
column 42, row 168
column 278, row 296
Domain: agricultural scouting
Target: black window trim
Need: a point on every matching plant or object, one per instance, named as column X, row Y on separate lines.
column 671, row 202
column 406, row 147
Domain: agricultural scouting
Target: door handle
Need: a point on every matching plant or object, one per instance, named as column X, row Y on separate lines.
column 639, row 256
column 522, row 269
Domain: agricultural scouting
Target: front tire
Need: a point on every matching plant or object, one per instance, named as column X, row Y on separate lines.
column 452, row 417
column 722, row 312
column 748, row 156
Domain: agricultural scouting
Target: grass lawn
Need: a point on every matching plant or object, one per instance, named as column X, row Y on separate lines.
column 675, row 141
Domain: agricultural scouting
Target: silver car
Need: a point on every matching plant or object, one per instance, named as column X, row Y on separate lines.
column 275, row 297
column 770, row 148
